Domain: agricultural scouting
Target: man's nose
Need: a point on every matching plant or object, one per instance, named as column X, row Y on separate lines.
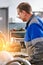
column 18, row 17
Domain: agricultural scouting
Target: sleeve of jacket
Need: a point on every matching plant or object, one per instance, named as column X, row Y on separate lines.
column 33, row 31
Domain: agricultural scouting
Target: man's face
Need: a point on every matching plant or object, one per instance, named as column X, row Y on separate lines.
column 21, row 15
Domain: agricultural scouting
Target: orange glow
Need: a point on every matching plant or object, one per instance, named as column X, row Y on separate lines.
column 14, row 47
column 2, row 42
column 5, row 45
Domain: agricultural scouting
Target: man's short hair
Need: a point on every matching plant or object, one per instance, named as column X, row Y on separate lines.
column 24, row 6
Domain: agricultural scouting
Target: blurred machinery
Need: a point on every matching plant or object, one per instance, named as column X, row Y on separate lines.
column 4, row 21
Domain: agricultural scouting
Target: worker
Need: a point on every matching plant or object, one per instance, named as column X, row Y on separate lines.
column 34, row 33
